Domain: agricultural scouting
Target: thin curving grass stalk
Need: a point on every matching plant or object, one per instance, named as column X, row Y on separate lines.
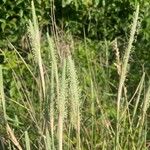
column 2, row 97
column 145, row 106
column 124, row 72
column 27, row 141
column 140, row 88
column 8, row 128
column 48, row 141
column 34, row 35
column 13, row 137
column 36, row 46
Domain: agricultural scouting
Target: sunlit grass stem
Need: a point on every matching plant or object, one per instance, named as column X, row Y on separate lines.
column 34, row 33
column 124, row 72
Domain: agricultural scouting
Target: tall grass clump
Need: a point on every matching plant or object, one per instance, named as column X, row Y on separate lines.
column 36, row 46
column 60, row 82
column 9, row 131
column 124, row 72
column 68, row 96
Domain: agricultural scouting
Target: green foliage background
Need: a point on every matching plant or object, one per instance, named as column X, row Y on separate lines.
column 96, row 19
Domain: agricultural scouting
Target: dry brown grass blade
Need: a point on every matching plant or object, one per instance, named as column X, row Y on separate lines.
column 13, row 137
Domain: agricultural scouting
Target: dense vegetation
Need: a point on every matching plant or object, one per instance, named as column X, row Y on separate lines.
column 74, row 74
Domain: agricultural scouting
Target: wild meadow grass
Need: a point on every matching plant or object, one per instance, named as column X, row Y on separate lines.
column 65, row 102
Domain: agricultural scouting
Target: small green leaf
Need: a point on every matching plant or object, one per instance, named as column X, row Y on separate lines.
column 66, row 2
column 3, row 25
column 97, row 2
column 21, row 13
column 4, row 1
column 3, row 20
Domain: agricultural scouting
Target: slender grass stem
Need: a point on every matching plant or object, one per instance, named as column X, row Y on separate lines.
column 123, row 74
